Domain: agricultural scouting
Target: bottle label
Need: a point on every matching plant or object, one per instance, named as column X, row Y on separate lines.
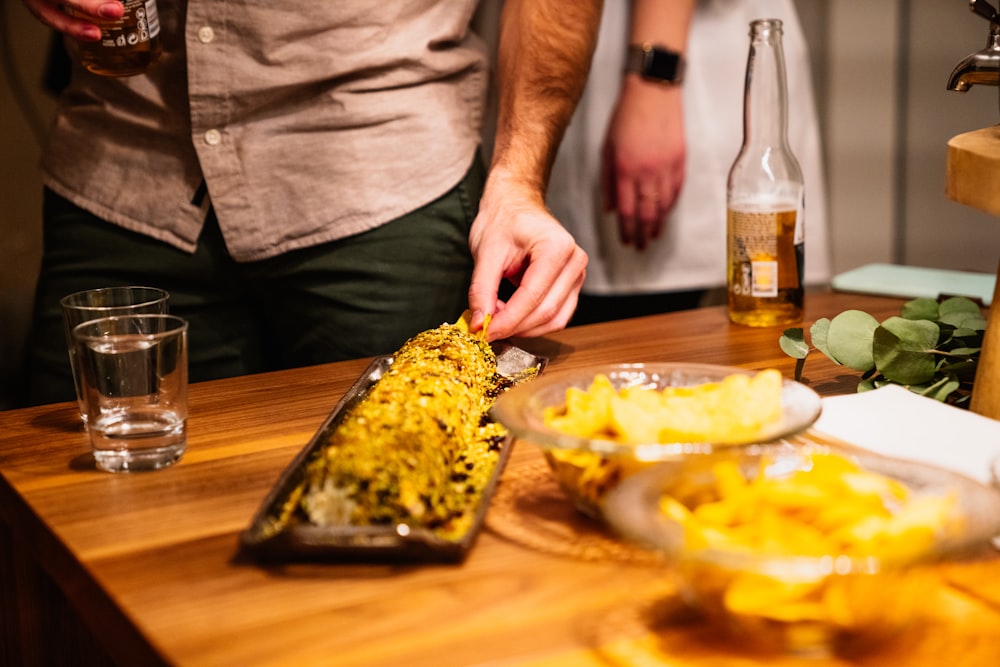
column 152, row 19
column 140, row 23
column 762, row 250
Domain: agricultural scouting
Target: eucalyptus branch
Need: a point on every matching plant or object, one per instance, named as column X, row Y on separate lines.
column 932, row 348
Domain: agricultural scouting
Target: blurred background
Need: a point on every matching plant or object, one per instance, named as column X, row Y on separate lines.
column 880, row 70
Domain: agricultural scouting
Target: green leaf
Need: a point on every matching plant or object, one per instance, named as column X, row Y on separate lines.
column 867, row 384
column 963, row 319
column 958, row 304
column 818, row 333
column 849, row 339
column 941, row 389
column 921, row 334
column 793, row 343
column 920, row 309
column 964, row 351
column 904, row 350
column 966, row 334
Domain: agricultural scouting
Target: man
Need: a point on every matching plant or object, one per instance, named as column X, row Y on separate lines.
column 303, row 177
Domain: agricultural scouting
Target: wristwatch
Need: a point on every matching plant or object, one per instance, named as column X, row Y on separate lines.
column 655, row 63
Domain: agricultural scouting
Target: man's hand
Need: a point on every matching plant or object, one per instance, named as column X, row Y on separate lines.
column 70, row 18
column 543, row 60
column 515, row 237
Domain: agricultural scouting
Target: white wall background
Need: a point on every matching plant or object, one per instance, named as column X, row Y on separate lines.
column 880, row 71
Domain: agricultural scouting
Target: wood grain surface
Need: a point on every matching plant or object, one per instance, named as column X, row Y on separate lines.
column 141, row 569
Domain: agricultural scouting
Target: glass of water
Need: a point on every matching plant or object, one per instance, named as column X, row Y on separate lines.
column 134, row 382
column 93, row 304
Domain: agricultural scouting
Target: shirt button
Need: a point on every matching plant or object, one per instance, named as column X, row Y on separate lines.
column 205, row 34
column 213, row 137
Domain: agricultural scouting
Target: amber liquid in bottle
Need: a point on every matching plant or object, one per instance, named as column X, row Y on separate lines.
column 128, row 45
column 765, row 196
column 765, row 256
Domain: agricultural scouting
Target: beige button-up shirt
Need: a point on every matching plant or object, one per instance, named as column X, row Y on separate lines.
column 307, row 121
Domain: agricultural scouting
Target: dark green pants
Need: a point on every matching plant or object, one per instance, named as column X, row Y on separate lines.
column 357, row 297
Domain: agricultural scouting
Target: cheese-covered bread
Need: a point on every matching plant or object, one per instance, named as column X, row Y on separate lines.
column 419, row 447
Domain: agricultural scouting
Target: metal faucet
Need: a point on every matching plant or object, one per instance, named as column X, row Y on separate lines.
column 981, row 67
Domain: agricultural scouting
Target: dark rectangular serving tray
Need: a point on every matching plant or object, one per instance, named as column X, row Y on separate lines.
column 305, row 541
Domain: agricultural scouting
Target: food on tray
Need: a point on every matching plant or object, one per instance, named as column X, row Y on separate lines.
column 734, row 409
column 830, row 507
column 419, row 448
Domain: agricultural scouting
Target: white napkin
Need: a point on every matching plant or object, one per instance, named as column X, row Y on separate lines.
column 896, row 422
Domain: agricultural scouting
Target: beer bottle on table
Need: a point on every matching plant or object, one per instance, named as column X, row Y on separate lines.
column 128, row 45
column 765, row 196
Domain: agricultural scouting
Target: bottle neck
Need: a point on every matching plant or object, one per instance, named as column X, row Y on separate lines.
column 765, row 102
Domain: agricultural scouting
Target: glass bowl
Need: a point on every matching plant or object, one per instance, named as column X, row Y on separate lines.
column 802, row 600
column 587, row 468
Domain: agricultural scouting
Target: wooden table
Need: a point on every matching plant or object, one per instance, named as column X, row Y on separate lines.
column 145, row 569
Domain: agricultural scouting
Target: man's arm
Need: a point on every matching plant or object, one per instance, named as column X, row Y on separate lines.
column 544, row 54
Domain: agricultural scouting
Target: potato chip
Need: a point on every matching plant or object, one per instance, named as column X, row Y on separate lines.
column 463, row 323
column 735, row 409
column 770, row 597
column 830, row 506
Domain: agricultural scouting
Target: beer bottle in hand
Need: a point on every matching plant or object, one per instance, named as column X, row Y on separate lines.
column 128, row 45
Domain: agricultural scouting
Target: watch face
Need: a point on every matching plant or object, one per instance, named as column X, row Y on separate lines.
column 662, row 65
column 655, row 63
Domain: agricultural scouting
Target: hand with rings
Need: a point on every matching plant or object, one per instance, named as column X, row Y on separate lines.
column 642, row 161
column 71, row 18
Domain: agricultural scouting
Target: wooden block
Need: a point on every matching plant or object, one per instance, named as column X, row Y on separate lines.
column 973, row 171
column 986, row 388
